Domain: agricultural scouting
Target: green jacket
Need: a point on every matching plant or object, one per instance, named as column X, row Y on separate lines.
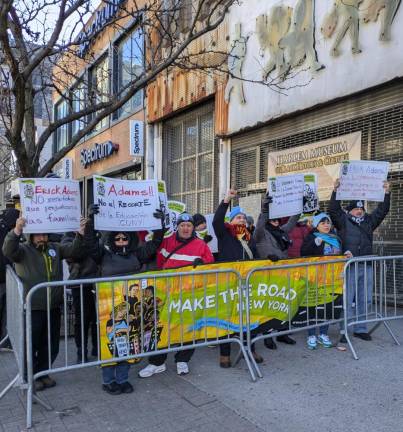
column 34, row 267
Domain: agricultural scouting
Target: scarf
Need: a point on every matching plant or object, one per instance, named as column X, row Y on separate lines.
column 330, row 239
column 358, row 220
column 279, row 235
column 240, row 232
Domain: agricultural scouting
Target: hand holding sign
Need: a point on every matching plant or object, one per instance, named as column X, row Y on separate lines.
column 19, row 226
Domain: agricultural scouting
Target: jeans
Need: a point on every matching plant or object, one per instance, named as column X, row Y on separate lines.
column 359, row 292
column 180, row 356
column 322, row 330
column 118, row 373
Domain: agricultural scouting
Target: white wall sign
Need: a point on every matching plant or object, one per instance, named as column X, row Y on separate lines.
column 68, row 168
column 126, row 205
column 50, row 205
column 362, row 180
column 136, row 138
column 287, row 193
column 322, row 158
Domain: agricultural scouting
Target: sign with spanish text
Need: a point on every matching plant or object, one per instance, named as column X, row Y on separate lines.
column 50, row 205
column 322, row 158
column 362, row 180
column 126, row 205
column 136, row 138
column 311, row 199
column 287, row 193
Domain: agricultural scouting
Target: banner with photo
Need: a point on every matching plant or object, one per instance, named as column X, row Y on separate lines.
column 147, row 312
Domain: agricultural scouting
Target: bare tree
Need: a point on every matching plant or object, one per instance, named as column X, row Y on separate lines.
column 46, row 46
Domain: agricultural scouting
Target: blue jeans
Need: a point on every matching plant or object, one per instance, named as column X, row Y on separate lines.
column 117, row 373
column 322, row 330
column 359, row 292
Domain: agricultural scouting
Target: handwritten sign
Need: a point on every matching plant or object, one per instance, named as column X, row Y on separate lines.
column 213, row 244
column 126, row 205
column 287, row 192
column 175, row 209
column 162, row 195
column 362, row 180
column 50, row 205
column 311, row 200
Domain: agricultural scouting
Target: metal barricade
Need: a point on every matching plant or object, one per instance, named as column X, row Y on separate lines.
column 15, row 326
column 129, row 314
column 319, row 302
column 371, row 294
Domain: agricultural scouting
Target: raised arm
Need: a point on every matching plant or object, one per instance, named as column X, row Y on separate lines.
column 336, row 213
column 292, row 221
column 219, row 216
column 379, row 214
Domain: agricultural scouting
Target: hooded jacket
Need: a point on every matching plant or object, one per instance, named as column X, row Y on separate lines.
column 33, row 266
column 357, row 238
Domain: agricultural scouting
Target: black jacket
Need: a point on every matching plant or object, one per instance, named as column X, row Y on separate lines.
column 7, row 222
column 356, row 238
column 229, row 248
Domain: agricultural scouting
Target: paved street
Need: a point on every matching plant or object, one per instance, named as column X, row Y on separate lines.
column 323, row 390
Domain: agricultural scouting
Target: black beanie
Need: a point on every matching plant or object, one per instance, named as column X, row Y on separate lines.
column 355, row 204
column 198, row 219
column 9, row 217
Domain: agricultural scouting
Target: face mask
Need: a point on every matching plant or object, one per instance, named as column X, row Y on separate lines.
column 202, row 234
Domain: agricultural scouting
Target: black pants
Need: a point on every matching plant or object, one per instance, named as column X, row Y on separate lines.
column 3, row 311
column 40, row 346
column 89, row 318
column 225, row 349
column 180, row 356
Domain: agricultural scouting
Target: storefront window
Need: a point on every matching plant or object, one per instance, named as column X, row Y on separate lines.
column 100, row 87
column 128, row 58
column 61, row 111
column 78, row 104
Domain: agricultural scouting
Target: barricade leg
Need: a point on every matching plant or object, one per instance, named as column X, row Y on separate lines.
column 12, row 383
column 4, row 340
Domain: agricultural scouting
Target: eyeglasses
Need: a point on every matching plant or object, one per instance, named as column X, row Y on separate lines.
column 121, row 238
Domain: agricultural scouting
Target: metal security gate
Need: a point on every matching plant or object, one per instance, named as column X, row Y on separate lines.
column 378, row 115
column 190, row 162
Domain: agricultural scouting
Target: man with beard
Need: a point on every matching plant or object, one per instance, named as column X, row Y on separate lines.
column 39, row 260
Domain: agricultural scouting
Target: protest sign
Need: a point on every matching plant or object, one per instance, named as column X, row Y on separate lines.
column 175, row 209
column 161, row 312
column 251, row 205
column 287, row 193
column 362, row 180
column 126, row 205
column 213, row 243
column 50, row 205
column 162, row 195
column 311, row 200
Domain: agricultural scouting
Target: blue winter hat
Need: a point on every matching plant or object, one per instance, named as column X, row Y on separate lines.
column 235, row 212
column 317, row 219
column 184, row 217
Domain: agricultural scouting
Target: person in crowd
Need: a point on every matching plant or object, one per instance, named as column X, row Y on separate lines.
column 39, row 260
column 121, row 255
column 84, row 268
column 7, row 222
column 355, row 227
column 201, row 228
column 181, row 248
column 321, row 242
column 235, row 243
column 297, row 236
column 272, row 242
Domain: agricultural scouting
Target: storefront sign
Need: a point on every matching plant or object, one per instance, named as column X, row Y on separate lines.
column 98, row 152
column 68, row 168
column 287, row 193
column 126, row 205
column 362, row 180
column 50, row 205
column 136, row 138
column 322, row 158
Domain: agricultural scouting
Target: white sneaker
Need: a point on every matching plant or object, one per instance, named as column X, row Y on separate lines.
column 311, row 342
column 182, row 368
column 325, row 341
column 151, row 370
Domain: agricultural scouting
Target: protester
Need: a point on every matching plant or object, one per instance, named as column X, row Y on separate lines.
column 355, row 227
column 320, row 242
column 7, row 222
column 297, row 236
column 235, row 243
column 84, row 268
column 180, row 249
column 120, row 256
column 272, row 242
column 201, row 228
column 250, row 224
column 39, row 260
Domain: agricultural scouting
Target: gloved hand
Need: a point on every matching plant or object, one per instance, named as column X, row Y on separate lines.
column 197, row 261
column 159, row 214
column 93, row 209
column 207, row 238
column 266, row 201
column 272, row 258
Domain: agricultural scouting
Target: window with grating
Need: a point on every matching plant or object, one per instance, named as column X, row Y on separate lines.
column 382, row 139
column 190, row 166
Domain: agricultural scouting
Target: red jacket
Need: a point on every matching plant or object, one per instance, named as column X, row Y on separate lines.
column 195, row 249
column 297, row 235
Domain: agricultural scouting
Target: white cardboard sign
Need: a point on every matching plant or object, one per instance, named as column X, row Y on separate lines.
column 311, row 199
column 287, row 192
column 175, row 209
column 126, row 205
column 50, row 205
column 213, row 244
column 362, row 180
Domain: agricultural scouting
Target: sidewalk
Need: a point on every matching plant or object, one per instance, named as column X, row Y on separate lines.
column 305, row 391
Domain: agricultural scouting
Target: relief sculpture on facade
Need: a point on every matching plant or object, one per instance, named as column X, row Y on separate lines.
column 345, row 16
column 390, row 9
column 235, row 62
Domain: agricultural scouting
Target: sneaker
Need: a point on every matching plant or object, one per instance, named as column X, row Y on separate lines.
column 311, row 342
column 182, row 368
column 47, row 381
column 258, row 358
column 38, row 385
column 112, row 388
column 225, row 362
column 126, row 387
column 324, row 341
column 151, row 370
column 363, row 336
